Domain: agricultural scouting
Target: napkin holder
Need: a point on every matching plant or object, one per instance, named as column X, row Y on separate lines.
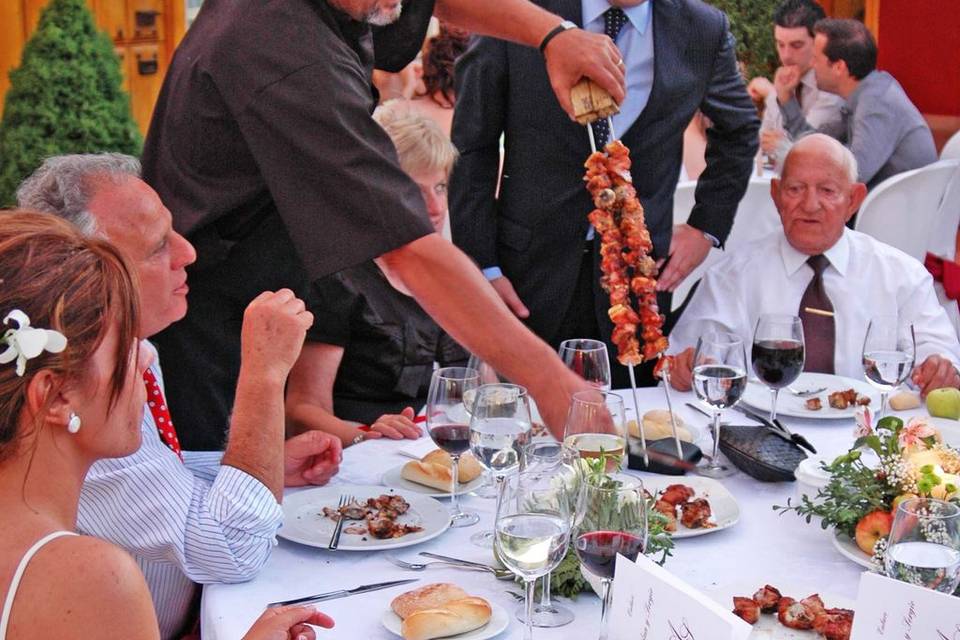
column 662, row 455
column 761, row 454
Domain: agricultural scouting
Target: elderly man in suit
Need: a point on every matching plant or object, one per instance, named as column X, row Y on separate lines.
column 533, row 240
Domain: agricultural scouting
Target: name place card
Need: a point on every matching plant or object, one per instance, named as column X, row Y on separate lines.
column 894, row 610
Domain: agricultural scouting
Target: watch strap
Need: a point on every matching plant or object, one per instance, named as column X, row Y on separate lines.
column 560, row 28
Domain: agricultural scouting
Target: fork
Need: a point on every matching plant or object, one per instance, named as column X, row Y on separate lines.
column 500, row 574
column 800, row 393
column 335, row 538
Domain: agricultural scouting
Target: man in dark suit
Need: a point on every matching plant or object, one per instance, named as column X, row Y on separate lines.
column 532, row 239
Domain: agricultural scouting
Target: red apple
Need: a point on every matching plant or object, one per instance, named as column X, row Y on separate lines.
column 872, row 527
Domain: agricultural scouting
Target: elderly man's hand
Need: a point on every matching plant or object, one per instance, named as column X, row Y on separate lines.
column 688, row 248
column 576, row 54
column 274, row 327
column 936, row 372
column 681, row 373
column 397, row 426
column 311, row 458
column 759, row 88
column 785, row 81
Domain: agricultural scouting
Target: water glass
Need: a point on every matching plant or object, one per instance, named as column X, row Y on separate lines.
column 889, row 350
column 719, row 378
column 924, row 544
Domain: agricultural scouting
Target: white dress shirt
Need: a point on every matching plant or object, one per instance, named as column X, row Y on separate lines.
column 184, row 522
column 820, row 108
column 865, row 278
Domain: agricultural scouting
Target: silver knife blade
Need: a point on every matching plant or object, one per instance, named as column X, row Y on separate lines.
column 343, row 593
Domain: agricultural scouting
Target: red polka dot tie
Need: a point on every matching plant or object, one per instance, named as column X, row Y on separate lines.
column 160, row 413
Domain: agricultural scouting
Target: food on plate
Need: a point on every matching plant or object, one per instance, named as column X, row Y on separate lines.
column 872, row 527
column 439, row 610
column 379, row 516
column 847, row 398
column 695, row 513
column 944, row 403
column 813, row 404
column 435, row 470
column 656, row 425
column 470, row 469
column 670, row 511
column 807, row 614
column 904, row 401
column 677, row 494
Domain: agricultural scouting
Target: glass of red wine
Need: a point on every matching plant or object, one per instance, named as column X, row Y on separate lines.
column 778, row 353
column 588, row 359
column 611, row 519
column 448, row 423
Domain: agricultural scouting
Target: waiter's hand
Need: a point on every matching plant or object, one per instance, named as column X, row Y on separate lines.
column 556, row 393
column 576, row 53
column 936, row 372
column 508, row 294
column 681, row 373
column 311, row 458
column 688, row 248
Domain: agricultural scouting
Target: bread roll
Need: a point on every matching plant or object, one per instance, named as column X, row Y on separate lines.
column 470, row 469
column 429, row 596
column 904, row 400
column 428, row 474
column 454, row 617
column 656, row 425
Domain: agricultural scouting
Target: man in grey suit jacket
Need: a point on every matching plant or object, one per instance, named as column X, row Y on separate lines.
column 531, row 239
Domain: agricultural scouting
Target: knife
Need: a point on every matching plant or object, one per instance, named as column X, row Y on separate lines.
column 777, row 428
column 343, row 593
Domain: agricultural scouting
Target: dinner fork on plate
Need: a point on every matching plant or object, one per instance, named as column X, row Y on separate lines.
column 335, row 538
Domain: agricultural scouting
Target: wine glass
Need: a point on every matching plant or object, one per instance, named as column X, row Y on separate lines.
column 561, row 464
column 499, row 430
column 596, row 426
column 611, row 519
column 588, row 359
column 924, row 544
column 488, row 375
column 719, row 378
column 777, row 354
column 533, row 532
column 888, row 355
column 448, row 426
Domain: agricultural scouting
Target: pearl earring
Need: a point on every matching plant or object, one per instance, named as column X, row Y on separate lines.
column 73, row 425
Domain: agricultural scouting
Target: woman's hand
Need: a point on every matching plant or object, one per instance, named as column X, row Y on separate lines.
column 288, row 623
column 396, row 426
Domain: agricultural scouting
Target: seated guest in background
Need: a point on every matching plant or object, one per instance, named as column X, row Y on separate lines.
column 79, row 400
column 817, row 262
column 883, row 129
column 795, row 80
column 371, row 351
column 186, row 517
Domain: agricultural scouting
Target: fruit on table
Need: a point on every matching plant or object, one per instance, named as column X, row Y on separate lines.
column 944, row 403
column 872, row 527
column 900, row 498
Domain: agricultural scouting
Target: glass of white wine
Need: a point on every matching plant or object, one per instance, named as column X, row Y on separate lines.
column 719, row 379
column 889, row 351
column 533, row 531
column 596, row 426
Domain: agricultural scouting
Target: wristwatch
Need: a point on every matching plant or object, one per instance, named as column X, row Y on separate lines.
column 566, row 25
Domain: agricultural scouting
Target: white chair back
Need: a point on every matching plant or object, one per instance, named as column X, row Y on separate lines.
column 903, row 210
column 943, row 241
column 951, row 150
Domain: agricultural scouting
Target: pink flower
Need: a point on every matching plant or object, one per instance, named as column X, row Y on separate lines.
column 864, row 421
column 913, row 434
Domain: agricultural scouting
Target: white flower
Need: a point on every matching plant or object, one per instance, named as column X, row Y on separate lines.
column 864, row 423
column 26, row 342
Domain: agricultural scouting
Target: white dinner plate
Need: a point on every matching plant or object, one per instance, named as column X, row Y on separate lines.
column 724, row 507
column 394, row 478
column 757, row 395
column 304, row 522
column 848, row 548
column 499, row 620
column 949, row 430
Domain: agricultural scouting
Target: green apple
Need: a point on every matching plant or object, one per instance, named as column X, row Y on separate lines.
column 944, row 403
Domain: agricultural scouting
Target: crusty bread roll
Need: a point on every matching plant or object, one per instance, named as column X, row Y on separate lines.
column 470, row 469
column 454, row 617
column 904, row 400
column 429, row 596
column 428, row 474
column 656, row 425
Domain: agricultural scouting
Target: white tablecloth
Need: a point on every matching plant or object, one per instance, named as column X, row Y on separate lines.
column 764, row 547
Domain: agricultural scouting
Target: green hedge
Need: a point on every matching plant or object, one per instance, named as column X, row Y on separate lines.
column 751, row 22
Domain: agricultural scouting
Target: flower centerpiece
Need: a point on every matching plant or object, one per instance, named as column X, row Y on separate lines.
column 860, row 498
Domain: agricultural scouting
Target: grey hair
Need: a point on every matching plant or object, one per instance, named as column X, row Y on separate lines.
column 64, row 185
column 844, row 156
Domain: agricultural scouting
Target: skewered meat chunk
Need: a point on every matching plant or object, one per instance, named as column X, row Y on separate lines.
column 677, row 494
column 696, row 514
column 813, row 404
column 793, row 614
column 814, row 604
column 747, row 609
column 670, row 511
column 768, row 598
column 834, row 624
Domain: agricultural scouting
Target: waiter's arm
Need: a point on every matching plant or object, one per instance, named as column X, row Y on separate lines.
column 453, row 291
column 570, row 56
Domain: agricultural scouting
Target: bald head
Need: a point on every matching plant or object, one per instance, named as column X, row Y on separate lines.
column 824, row 147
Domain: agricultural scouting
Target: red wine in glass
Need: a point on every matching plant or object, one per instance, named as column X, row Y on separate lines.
column 452, row 438
column 598, row 550
column 777, row 362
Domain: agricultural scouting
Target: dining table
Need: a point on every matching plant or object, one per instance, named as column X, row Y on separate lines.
column 763, row 547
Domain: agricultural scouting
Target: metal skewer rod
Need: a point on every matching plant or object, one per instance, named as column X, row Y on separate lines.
column 636, row 407
column 665, row 377
column 613, row 135
column 593, row 143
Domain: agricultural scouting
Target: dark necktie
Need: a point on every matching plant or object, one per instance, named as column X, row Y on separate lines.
column 816, row 314
column 160, row 413
column 613, row 20
column 798, row 92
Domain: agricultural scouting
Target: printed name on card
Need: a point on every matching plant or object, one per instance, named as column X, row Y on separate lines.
column 888, row 609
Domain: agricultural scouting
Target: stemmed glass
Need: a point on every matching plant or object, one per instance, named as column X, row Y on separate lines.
column 611, row 519
column 596, row 425
column 777, row 354
column 488, row 375
column 924, row 544
column 499, row 430
column 533, row 532
column 448, row 427
column 588, row 359
column 719, row 378
column 889, row 351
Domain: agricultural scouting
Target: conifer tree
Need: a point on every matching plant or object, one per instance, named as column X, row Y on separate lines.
column 751, row 22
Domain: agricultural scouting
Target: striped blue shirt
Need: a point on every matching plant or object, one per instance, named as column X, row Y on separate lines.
column 184, row 523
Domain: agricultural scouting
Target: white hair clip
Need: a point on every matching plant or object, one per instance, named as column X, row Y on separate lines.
column 26, row 342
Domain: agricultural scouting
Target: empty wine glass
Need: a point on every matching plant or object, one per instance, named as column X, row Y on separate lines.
column 596, row 425
column 611, row 519
column 719, row 378
column 499, row 430
column 488, row 375
column 588, row 359
column 777, row 354
column 889, row 350
column 533, row 532
column 924, row 544
column 449, row 427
